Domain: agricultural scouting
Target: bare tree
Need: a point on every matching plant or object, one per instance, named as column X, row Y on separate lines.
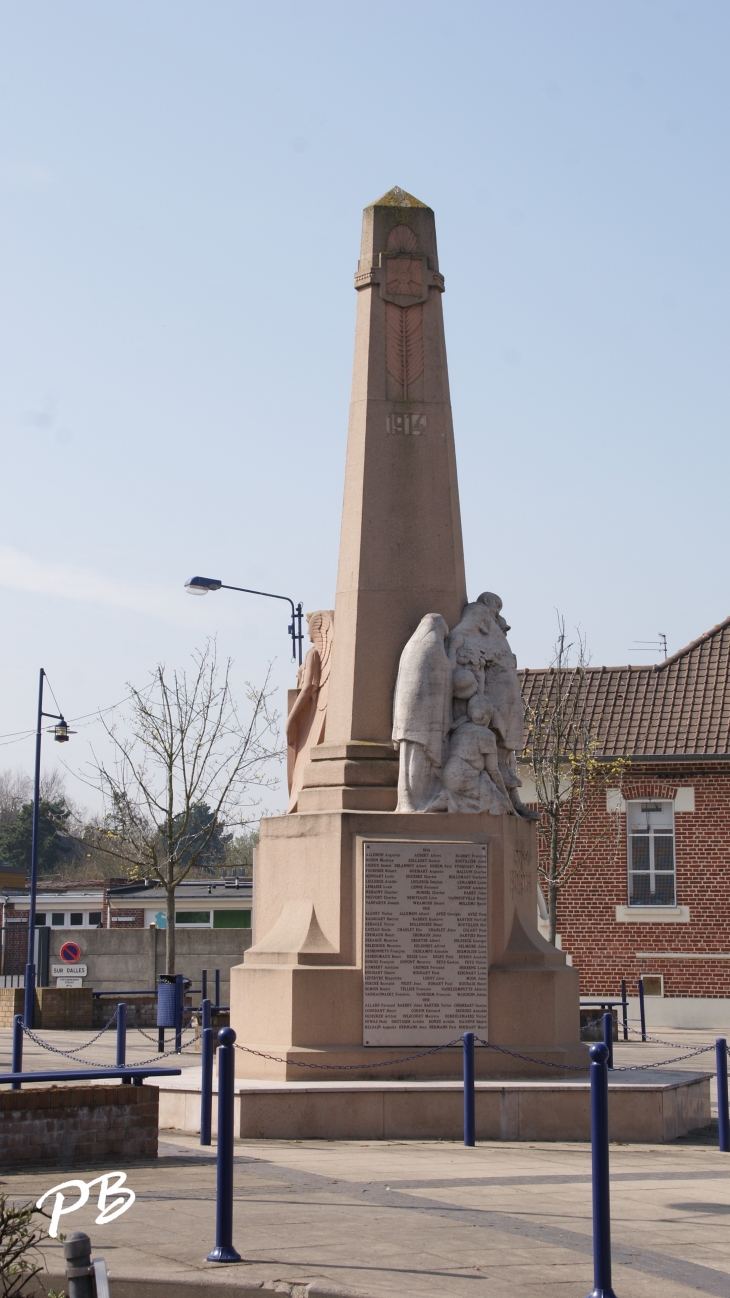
column 16, row 789
column 566, row 764
column 182, row 745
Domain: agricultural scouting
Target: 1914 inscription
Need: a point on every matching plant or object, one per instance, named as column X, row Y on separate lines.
column 425, row 942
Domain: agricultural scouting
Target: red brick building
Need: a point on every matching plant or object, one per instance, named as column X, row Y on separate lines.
column 653, row 896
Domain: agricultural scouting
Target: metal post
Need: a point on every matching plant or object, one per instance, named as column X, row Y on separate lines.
column 206, row 1083
column 723, row 1117
column 29, row 1006
column 469, row 1099
column 299, row 632
column 224, row 1250
column 16, row 1065
column 608, row 1037
column 160, row 1040
column 217, row 988
column 599, row 1159
column 642, row 1009
column 79, row 1270
column 625, row 1009
column 204, row 995
column 121, row 1035
column 179, row 1000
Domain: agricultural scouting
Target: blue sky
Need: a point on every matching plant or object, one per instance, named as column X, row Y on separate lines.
column 181, row 188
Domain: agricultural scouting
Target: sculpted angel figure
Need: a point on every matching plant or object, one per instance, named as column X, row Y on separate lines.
column 305, row 724
column 422, row 713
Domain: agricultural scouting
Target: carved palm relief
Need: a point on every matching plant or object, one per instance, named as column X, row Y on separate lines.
column 404, row 344
column 404, row 323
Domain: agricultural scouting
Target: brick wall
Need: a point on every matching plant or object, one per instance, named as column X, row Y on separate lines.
column 604, row 950
column 55, row 1007
column 132, row 918
column 64, row 1007
column 76, row 1125
column 11, row 1003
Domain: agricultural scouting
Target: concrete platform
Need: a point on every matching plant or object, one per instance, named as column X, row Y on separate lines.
column 646, row 1105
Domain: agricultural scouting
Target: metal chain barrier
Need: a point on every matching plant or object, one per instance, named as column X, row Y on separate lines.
column 340, row 1068
column 72, row 1054
column 147, row 1037
column 659, row 1041
column 637, row 1068
column 544, row 1063
column 139, row 1063
column 547, row 1063
column 592, row 1023
column 69, row 1053
column 621, row 1068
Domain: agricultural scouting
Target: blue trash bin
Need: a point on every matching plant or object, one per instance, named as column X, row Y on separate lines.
column 166, row 1001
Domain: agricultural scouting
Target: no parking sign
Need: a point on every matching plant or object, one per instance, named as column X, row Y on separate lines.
column 70, row 952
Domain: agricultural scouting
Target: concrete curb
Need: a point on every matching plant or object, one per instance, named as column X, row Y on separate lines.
column 203, row 1286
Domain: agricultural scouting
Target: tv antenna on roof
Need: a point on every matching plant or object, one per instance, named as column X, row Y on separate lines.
column 648, row 645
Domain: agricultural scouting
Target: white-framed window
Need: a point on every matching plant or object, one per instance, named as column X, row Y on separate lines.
column 652, row 873
column 69, row 918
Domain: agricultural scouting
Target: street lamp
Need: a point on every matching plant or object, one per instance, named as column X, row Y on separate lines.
column 61, row 734
column 202, row 585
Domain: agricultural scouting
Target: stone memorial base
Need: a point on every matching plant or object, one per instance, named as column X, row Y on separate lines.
column 378, row 935
column 645, row 1106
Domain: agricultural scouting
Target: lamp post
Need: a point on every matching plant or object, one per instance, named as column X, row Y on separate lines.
column 202, row 585
column 61, row 734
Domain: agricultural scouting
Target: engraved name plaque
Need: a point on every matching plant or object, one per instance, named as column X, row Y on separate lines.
column 425, row 942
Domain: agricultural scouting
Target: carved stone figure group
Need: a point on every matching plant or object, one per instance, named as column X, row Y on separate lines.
column 458, row 715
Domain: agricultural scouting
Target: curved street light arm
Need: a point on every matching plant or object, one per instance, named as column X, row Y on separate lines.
column 295, row 630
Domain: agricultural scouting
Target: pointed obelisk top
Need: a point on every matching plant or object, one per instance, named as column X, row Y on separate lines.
column 401, row 554
column 397, row 197
column 400, row 212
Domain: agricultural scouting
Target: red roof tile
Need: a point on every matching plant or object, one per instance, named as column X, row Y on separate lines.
column 680, row 707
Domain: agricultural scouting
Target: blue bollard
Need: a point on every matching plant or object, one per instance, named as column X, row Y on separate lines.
column 642, row 1009
column 204, row 985
column 599, row 1160
column 217, row 988
column 16, row 1065
column 723, row 1117
column 469, row 1099
column 122, row 1035
column 608, row 1037
column 206, row 1082
column 625, row 1009
column 224, row 1250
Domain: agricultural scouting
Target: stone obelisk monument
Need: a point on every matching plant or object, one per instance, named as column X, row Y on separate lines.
column 377, row 929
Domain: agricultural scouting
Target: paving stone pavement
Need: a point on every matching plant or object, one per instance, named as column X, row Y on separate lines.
column 388, row 1219
column 413, row 1218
